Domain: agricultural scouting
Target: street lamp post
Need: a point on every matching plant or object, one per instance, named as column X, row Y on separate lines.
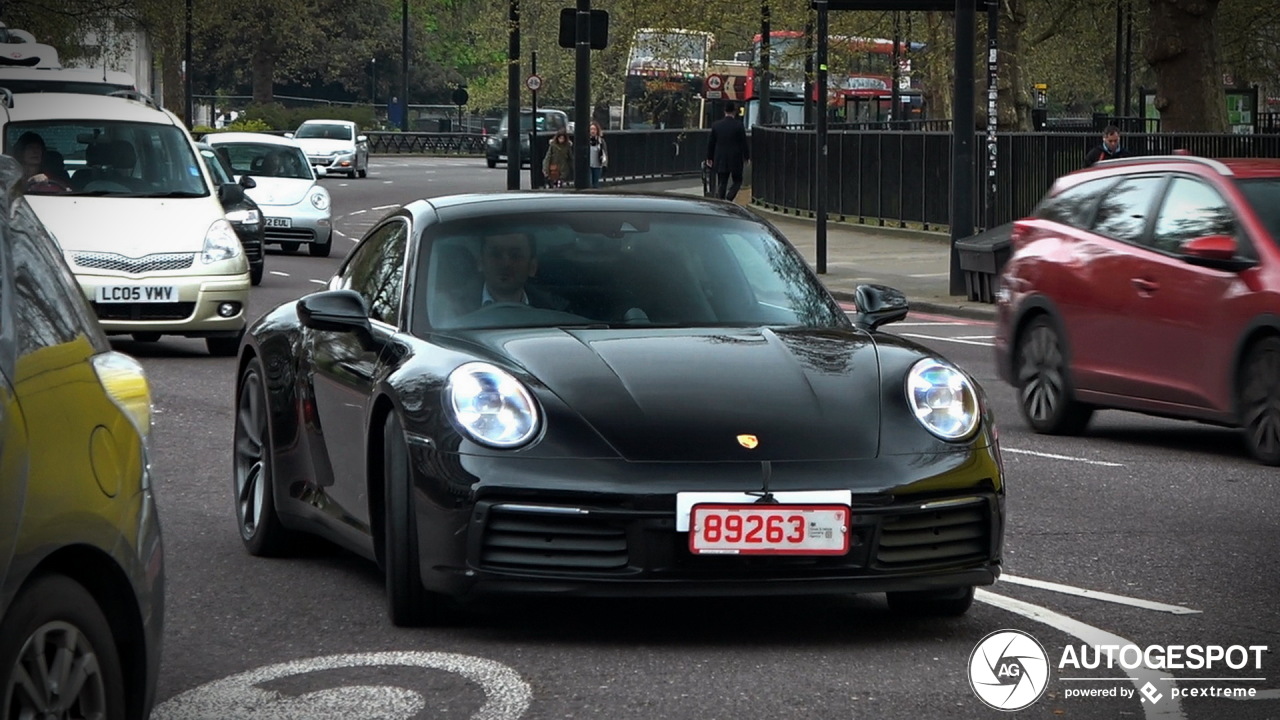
column 373, row 83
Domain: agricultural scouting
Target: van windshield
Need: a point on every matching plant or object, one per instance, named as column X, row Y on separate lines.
column 546, row 121
column 328, row 131
column 99, row 157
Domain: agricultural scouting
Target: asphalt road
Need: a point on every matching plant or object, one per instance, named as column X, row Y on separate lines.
column 1169, row 518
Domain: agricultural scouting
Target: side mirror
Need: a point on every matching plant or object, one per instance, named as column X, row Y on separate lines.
column 1215, row 251
column 247, row 182
column 320, row 172
column 362, row 138
column 288, row 134
column 336, row 311
column 878, row 305
column 230, row 194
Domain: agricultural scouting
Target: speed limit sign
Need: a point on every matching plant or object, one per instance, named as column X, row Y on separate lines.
column 533, row 82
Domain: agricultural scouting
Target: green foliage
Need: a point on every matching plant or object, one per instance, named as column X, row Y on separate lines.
column 274, row 116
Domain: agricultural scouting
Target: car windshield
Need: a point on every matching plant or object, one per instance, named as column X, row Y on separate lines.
column 328, row 131
column 97, row 157
column 267, row 160
column 546, row 121
column 613, row 268
column 1264, row 195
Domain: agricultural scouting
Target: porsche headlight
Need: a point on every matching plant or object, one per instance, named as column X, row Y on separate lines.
column 220, row 242
column 491, row 406
column 944, row 400
column 320, row 198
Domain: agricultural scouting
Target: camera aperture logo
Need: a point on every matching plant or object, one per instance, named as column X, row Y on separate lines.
column 1008, row 670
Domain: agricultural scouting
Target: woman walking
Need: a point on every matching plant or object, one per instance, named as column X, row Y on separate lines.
column 557, row 164
column 598, row 154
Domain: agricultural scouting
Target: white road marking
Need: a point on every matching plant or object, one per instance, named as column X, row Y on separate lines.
column 1098, row 595
column 506, row 694
column 947, row 339
column 387, row 182
column 1053, row 456
column 930, row 275
column 356, row 212
column 277, row 272
column 921, row 324
column 336, row 231
column 383, row 207
column 974, row 337
column 320, row 282
column 1168, row 707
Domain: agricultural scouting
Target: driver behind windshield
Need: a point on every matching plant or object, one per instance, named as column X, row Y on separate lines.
column 507, row 261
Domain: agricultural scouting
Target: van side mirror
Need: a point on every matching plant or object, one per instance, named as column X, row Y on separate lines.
column 247, row 182
column 230, row 194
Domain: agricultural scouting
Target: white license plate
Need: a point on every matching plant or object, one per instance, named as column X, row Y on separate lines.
column 769, row 529
column 136, row 294
column 279, row 222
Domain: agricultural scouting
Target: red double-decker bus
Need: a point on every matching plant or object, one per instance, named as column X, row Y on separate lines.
column 859, row 79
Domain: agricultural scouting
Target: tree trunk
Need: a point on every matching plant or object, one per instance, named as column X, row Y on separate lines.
column 1015, row 102
column 264, row 70
column 1182, row 49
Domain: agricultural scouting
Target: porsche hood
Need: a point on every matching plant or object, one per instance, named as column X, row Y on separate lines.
column 713, row 395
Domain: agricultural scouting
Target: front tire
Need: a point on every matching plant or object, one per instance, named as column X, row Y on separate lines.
column 321, row 249
column 1044, row 391
column 491, row 162
column 223, row 346
column 952, row 602
column 290, row 246
column 255, row 272
column 57, row 654
column 409, row 603
column 1259, row 400
column 253, row 471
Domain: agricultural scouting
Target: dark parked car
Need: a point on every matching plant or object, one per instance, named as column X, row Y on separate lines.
column 81, row 563
column 1149, row 284
column 242, row 211
column 547, row 121
column 672, row 404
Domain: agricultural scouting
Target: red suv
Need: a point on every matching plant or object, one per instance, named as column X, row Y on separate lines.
column 1149, row 284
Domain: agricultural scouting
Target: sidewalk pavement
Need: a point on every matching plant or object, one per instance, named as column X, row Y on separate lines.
column 916, row 262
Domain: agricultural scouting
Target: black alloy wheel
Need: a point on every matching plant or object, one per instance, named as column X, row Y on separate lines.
column 58, row 660
column 1259, row 400
column 260, row 528
column 1044, row 392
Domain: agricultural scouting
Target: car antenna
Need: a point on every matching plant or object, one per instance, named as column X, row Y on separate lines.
column 764, row 496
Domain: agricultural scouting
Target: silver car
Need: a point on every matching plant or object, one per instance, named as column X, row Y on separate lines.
column 335, row 145
column 295, row 208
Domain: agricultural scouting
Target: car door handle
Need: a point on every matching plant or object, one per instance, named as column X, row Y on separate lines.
column 1144, row 286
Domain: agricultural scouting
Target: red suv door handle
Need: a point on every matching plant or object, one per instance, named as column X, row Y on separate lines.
column 1144, row 286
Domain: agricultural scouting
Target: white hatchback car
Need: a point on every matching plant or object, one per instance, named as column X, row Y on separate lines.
column 118, row 183
column 335, row 145
column 295, row 208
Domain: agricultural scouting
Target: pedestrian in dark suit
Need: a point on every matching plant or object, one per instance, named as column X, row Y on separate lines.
column 728, row 152
column 1110, row 149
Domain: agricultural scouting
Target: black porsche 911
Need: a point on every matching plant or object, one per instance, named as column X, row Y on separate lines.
column 605, row 395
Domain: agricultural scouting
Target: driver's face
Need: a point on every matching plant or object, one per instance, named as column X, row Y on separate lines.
column 1112, row 140
column 507, row 262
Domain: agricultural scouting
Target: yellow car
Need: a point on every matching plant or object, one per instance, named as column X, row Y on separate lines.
column 81, row 560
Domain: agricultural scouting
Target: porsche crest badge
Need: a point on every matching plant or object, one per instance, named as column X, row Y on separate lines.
column 748, row 441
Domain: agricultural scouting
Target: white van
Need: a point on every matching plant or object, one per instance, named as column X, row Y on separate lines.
column 121, row 187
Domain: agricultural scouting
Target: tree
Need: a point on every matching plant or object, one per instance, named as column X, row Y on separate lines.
column 1182, row 49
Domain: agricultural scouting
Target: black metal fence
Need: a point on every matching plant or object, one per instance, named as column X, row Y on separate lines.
column 903, row 179
column 426, row 143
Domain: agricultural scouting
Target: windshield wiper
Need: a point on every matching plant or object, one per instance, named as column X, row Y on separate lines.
column 170, row 194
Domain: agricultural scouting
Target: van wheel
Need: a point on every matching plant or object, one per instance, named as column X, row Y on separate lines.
column 223, row 346
column 492, row 163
